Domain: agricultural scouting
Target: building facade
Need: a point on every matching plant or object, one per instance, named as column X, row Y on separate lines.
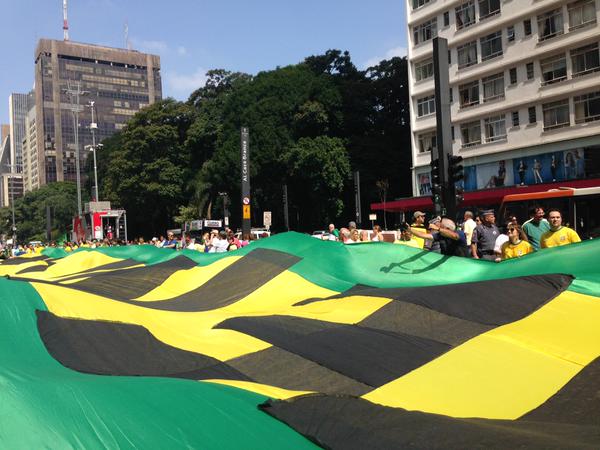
column 524, row 89
column 120, row 82
column 31, row 179
column 18, row 107
column 11, row 183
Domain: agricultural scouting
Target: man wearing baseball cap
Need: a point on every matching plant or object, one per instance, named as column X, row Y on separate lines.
column 484, row 236
column 419, row 225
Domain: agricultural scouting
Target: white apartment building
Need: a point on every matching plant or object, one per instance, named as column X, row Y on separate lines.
column 525, row 89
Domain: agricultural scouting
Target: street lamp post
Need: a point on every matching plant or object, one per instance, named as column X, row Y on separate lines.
column 93, row 128
column 76, row 108
column 11, row 188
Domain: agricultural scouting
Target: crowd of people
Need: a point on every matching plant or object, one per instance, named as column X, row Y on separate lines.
column 477, row 237
column 215, row 241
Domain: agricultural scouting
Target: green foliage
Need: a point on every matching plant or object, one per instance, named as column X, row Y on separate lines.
column 30, row 212
column 311, row 125
column 186, row 214
column 147, row 173
column 318, row 168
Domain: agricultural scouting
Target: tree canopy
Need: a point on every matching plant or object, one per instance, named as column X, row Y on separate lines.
column 30, row 212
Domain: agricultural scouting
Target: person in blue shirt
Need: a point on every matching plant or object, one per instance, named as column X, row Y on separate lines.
column 453, row 241
column 171, row 241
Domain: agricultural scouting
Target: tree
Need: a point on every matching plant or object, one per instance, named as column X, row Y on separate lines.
column 147, row 175
column 279, row 107
column 30, row 212
column 318, row 168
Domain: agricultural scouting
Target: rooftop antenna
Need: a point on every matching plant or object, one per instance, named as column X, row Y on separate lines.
column 127, row 43
column 65, row 22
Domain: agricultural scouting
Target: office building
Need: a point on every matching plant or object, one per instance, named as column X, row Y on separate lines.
column 120, row 82
column 524, row 90
column 18, row 107
column 31, row 179
column 11, row 183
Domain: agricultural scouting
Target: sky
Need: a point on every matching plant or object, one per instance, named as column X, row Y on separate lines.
column 193, row 36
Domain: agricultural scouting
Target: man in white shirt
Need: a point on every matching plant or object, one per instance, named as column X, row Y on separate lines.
column 468, row 225
column 219, row 243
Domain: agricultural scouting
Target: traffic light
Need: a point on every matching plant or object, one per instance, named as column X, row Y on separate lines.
column 436, row 181
column 459, row 196
column 455, row 169
column 435, row 173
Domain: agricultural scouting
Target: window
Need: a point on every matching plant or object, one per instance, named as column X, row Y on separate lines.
column 425, row 31
column 467, row 54
column 585, row 59
column 449, row 57
column 513, row 75
column 495, row 129
column 469, row 94
column 554, row 69
column 491, row 46
column 532, row 115
column 488, row 8
column 452, row 131
column 510, row 34
column 427, row 142
column 530, row 73
column 418, row 3
column 515, row 118
column 550, row 24
column 471, row 133
column 451, row 96
column 493, row 87
column 556, row 114
column 446, row 18
column 581, row 13
column 587, row 107
column 527, row 27
column 425, row 106
column 424, row 70
column 465, row 15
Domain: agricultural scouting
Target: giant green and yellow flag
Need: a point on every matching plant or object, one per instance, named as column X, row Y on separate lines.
column 294, row 342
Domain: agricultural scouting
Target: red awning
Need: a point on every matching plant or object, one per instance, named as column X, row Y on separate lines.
column 484, row 197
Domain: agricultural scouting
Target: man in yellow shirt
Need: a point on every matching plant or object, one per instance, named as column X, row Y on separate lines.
column 558, row 235
column 406, row 237
column 419, row 224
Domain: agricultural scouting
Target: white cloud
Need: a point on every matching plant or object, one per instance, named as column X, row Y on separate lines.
column 391, row 53
column 182, row 51
column 185, row 84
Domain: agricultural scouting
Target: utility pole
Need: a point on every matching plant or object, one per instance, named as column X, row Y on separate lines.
column 74, row 92
column 11, row 188
column 286, row 213
column 443, row 205
column 93, row 128
column 357, row 208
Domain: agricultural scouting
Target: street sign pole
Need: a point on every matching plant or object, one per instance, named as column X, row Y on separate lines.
column 446, row 203
column 245, row 173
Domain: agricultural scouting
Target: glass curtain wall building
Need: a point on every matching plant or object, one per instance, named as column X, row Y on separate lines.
column 120, row 82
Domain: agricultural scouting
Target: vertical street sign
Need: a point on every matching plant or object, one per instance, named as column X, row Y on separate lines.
column 357, row 198
column 245, row 173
